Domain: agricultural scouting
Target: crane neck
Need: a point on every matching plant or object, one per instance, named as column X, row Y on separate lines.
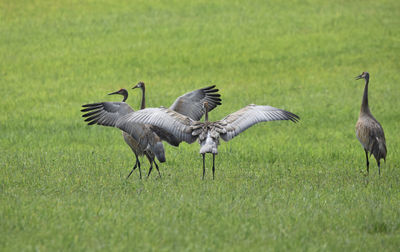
column 143, row 103
column 125, row 94
column 206, row 115
column 364, row 104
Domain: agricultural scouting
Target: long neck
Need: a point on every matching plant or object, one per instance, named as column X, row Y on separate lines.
column 364, row 104
column 125, row 94
column 206, row 115
column 143, row 105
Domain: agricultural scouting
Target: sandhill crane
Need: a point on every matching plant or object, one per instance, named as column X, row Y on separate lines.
column 183, row 128
column 369, row 131
column 188, row 104
column 144, row 139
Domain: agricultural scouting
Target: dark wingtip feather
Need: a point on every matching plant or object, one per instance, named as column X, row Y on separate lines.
column 211, row 91
column 214, row 95
column 290, row 116
column 94, row 117
column 91, row 108
column 208, row 88
column 293, row 117
column 91, row 113
column 92, row 122
column 91, row 104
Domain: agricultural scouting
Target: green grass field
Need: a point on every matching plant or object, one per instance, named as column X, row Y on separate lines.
column 279, row 186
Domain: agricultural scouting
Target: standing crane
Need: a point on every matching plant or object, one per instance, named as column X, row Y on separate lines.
column 183, row 128
column 369, row 131
column 144, row 139
column 187, row 104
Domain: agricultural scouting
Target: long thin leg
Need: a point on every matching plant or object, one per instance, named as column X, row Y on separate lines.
column 213, row 168
column 157, row 168
column 151, row 160
column 379, row 167
column 366, row 155
column 151, row 168
column 137, row 164
column 204, row 164
column 134, row 167
column 140, row 170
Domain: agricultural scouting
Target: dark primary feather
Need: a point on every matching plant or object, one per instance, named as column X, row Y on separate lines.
column 191, row 104
column 105, row 113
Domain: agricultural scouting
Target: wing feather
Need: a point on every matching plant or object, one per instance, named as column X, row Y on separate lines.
column 105, row 113
column 191, row 104
column 170, row 124
column 108, row 113
column 246, row 117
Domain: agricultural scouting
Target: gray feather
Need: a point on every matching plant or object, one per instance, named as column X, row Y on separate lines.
column 246, row 117
column 191, row 104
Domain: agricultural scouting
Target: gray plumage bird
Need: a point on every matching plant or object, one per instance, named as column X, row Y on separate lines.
column 183, row 128
column 369, row 131
column 144, row 139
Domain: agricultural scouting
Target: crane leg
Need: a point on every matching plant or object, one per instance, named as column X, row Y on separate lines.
column 151, row 160
column 379, row 167
column 204, row 164
column 151, row 168
column 213, row 167
column 157, row 168
column 366, row 155
column 137, row 164
column 140, row 170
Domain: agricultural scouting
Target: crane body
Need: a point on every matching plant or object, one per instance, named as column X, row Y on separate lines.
column 369, row 131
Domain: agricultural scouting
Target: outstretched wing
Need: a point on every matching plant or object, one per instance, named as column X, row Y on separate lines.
column 105, row 113
column 167, row 124
column 191, row 104
column 246, row 117
column 108, row 113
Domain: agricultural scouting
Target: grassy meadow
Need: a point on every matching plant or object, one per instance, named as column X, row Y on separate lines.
column 279, row 186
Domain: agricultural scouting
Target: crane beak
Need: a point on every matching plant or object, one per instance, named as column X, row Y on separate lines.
column 359, row 77
column 116, row 92
column 135, row 87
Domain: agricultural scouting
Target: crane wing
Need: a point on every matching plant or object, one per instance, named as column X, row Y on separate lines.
column 105, row 113
column 167, row 123
column 108, row 113
column 377, row 139
column 246, row 117
column 191, row 104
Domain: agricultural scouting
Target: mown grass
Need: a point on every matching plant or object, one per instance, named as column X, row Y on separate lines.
column 278, row 186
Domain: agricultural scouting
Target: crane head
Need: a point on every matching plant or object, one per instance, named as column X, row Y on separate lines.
column 139, row 85
column 122, row 91
column 364, row 75
column 205, row 105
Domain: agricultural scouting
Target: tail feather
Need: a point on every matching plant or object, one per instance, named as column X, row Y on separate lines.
column 379, row 149
column 158, row 150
